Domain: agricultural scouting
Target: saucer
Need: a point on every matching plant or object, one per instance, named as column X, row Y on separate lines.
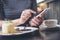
column 57, row 25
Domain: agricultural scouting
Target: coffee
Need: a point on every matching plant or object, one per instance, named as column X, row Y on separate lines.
column 51, row 22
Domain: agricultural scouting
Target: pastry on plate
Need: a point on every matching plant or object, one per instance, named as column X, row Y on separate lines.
column 8, row 27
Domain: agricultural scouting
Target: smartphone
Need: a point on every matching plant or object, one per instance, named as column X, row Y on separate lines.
column 43, row 12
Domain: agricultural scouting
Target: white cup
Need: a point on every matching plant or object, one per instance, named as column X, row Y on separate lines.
column 50, row 22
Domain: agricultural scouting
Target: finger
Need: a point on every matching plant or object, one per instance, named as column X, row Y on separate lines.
column 26, row 15
column 35, row 22
column 41, row 19
column 36, row 19
column 29, row 10
column 32, row 24
column 32, row 11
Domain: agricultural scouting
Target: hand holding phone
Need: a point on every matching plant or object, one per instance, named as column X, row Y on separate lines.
column 37, row 20
column 43, row 12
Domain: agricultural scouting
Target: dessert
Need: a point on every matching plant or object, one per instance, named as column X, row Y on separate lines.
column 8, row 27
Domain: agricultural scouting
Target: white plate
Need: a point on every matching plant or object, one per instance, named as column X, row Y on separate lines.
column 21, row 32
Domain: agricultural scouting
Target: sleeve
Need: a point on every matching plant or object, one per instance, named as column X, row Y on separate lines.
column 1, row 11
column 33, row 5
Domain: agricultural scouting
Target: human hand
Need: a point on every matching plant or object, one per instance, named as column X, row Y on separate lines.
column 25, row 15
column 36, row 21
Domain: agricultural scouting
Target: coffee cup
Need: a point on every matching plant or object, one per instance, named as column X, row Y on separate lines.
column 50, row 22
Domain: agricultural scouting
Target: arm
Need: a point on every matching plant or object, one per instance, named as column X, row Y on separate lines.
column 25, row 15
column 23, row 18
column 16, row 22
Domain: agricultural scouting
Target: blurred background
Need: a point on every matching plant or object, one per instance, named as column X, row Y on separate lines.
column 54, row 12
